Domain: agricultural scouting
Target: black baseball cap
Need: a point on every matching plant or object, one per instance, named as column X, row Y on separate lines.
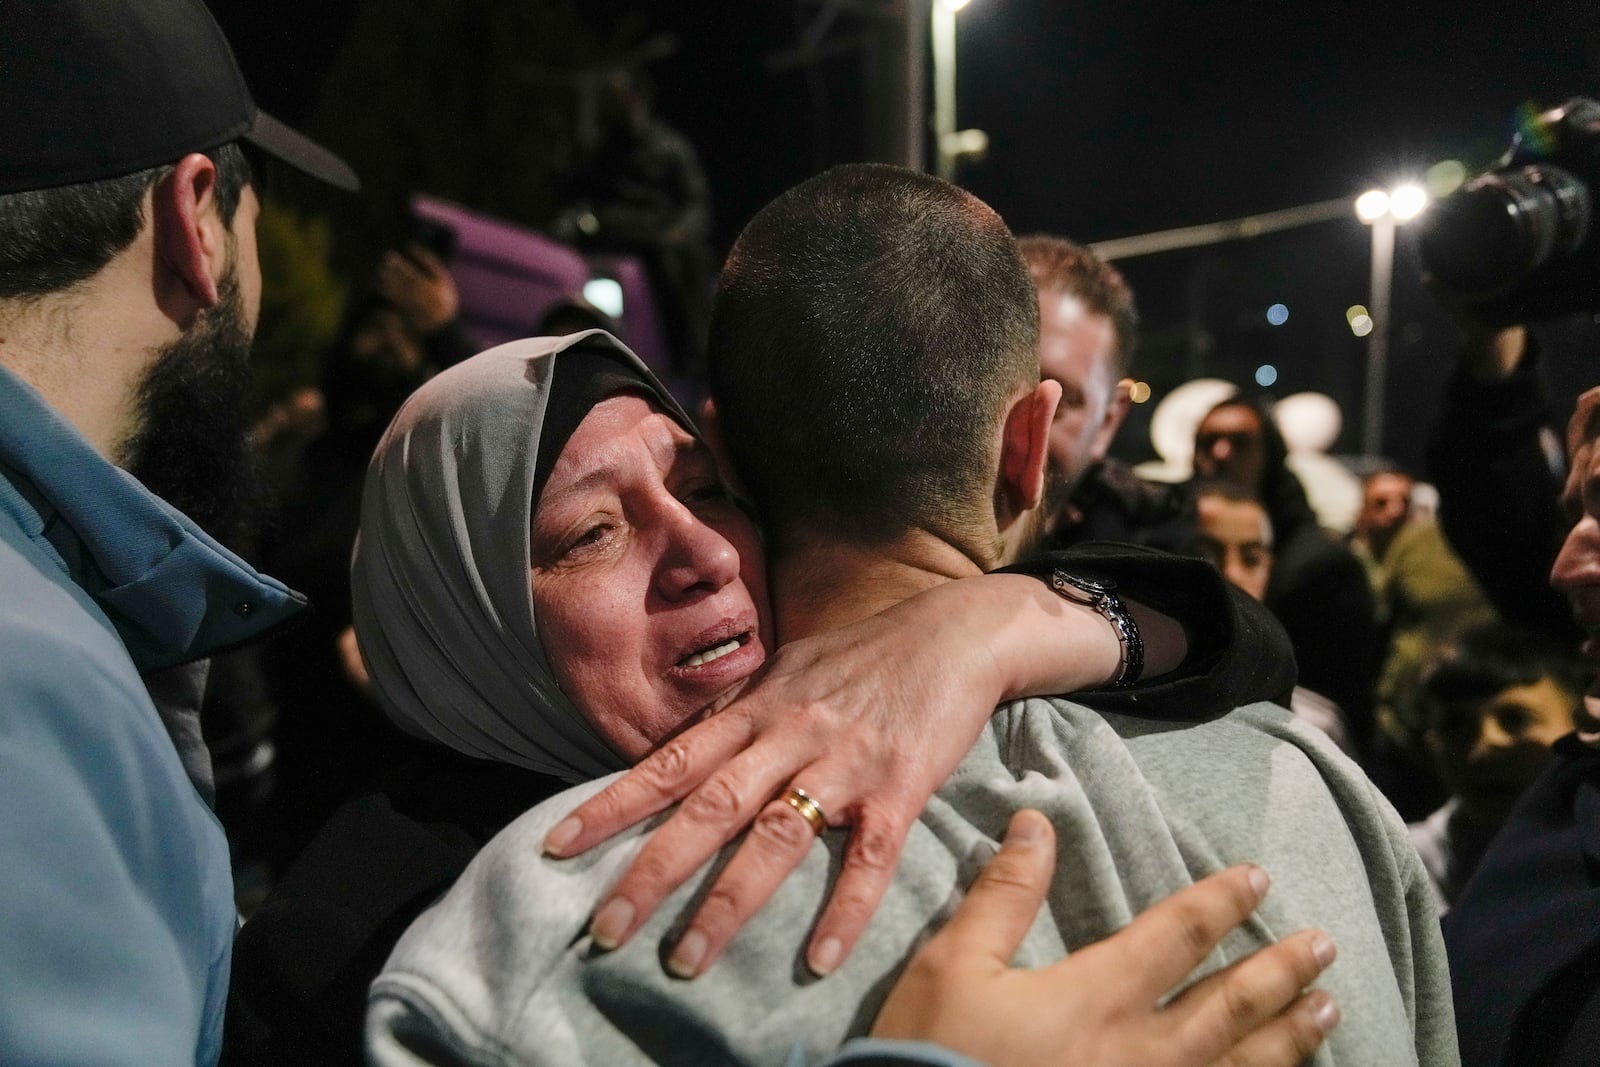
column 93, row 89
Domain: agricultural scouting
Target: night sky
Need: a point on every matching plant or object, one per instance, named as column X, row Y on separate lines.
column 1108, row 119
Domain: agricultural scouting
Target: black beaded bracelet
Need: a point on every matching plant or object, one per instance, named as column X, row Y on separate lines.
column 1100, row 594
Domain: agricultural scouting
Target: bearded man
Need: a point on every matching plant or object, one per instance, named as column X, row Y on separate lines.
column 129, row 289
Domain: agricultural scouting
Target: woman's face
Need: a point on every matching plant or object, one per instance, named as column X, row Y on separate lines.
column 649, row 583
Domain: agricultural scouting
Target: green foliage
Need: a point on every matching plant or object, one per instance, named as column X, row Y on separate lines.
column 302, row 302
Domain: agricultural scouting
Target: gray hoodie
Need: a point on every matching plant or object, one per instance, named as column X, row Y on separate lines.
column 502, row 970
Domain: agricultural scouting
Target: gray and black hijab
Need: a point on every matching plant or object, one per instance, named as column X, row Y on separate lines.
column 440, row 578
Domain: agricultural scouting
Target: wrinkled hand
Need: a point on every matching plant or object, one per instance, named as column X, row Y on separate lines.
column 420, row 287
column 868, row 720
column 1101, row 1005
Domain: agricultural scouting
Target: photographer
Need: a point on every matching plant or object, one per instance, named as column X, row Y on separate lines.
column 1514, row 246
column 1509, row 256
column 1499, row 479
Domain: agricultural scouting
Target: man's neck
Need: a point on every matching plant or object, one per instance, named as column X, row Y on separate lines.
column 820, row 586
column 85, row 351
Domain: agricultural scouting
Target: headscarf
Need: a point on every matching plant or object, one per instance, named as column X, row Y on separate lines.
column 441, row 579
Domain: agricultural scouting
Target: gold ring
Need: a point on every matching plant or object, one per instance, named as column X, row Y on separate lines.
column 809, row 809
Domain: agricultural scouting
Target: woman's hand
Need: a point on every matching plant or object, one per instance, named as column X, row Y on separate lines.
column 868, row 720
column 1103, row 1004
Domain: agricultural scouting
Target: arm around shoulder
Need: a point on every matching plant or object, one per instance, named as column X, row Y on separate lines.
column 1236, row 651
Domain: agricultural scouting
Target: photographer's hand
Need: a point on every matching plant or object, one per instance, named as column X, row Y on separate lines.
column 1489, row 353
column 1493, row 356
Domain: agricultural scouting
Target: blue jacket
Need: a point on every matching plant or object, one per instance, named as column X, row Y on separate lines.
column 116, row 906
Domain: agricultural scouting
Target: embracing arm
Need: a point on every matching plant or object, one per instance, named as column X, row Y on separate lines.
column 869, row 720
column 1233, row 650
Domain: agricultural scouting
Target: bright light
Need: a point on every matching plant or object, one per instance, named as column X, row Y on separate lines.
column 1372, row 205
column 1139, row 392
column 1361, row 325
column 1407, row 202
column 1356, row 311
column 1278, row 314
column 1266, row 374
column 605, row 294
column 954, row 5
column 1445, row 177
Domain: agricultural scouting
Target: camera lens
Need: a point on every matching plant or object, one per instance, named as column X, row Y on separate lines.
column 1502, row 226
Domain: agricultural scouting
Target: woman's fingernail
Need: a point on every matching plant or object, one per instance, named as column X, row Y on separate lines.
column 1327, row 1016
column 825, row 957
column 1259, row 882
column 687, row 954
column 611, row 923
column 1323, row 948
column 557, row 840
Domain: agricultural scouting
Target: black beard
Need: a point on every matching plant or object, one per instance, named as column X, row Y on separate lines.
column 190, row 446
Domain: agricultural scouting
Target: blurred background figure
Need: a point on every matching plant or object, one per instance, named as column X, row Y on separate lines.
column 416, row 285
column 1385, row 506
column 316, row 735
column 1233, row 532
column 1424, row 597
column 1088, row 329
column 1317, row 589
column 575, row 316
column 1496, row 700
column 641, row 190
column 1498, row 465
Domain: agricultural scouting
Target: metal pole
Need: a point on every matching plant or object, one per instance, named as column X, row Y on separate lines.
column 915, row 116
column 944, row 89
column 1378, row 339
column 1211, row 233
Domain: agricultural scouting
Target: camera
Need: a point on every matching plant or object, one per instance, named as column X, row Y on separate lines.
column 1517, row 243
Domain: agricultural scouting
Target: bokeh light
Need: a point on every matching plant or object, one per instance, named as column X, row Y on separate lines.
column 1266, row 375
column 1407, row 202
column 1278, row 314
column 1445, row 177
column 605, row 294
column 1372, row 205
column 1139, row 392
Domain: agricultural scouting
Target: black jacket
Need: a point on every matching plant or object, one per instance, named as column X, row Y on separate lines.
column 1524, row 937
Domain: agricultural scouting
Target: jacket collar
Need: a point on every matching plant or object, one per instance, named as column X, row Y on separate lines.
column 172, row 592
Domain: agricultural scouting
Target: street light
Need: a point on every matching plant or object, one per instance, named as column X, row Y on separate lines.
column 950, row 144
column 1383, row 211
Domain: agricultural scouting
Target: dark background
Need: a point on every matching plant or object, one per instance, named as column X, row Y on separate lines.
column 1104, row 119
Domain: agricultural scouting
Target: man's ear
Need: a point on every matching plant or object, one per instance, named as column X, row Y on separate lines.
column 1116, row 412
column 1025, row 449
column 191, row 241
column 711, row 433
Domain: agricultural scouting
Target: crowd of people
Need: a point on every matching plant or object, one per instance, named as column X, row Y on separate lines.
column 871, row 713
